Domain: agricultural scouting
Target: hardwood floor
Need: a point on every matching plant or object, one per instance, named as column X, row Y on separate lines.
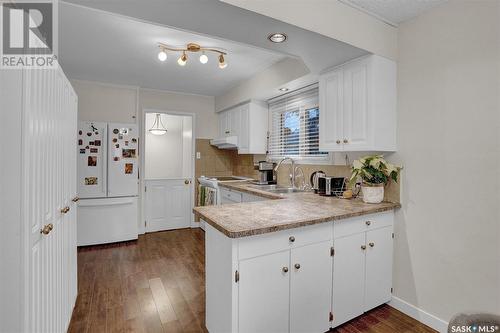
column 157, row 284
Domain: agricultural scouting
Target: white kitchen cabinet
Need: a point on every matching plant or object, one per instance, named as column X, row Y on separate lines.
column 264, row 293
column 362, row 265
column 248, row 122
column 247, row 197
column 358, row 106
column 230, row 196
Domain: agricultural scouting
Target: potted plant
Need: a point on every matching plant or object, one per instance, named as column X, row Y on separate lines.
column 375, row 172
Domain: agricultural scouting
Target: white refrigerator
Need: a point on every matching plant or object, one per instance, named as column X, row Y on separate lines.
column 108, row 182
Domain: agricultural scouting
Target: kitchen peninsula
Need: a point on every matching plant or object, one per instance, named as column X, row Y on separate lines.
column 295, row 262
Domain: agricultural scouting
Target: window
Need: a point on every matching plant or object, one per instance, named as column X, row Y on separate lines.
column 294, row 121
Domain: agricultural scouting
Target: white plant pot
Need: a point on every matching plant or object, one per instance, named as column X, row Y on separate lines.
column 373, row 194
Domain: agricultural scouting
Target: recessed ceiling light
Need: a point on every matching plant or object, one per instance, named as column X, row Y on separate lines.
column 277, row 37
column 283, row 89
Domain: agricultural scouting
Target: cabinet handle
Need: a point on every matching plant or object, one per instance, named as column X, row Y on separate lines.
column 338, row 142
column 186, row 182
column 227, row 132
column 65, row 210
column 371, row 244
column 368, row 222
column 291, row 239
column 47, row 229
column 75, row 199
column 346, row 141
column 297, row 266
column 285, row 269
column 363, row 247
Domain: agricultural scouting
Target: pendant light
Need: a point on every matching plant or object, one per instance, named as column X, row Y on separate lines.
column 158, row 128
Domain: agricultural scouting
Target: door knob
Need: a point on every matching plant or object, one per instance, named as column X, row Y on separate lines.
column 297, row 266
column 363, row 247
column 371, row 244
column 65, row 210
column 285, row 269
column 47, row 229
column 291, row 239
column 75, row 199
column 186, row 182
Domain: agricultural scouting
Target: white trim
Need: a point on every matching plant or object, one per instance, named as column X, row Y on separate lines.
column 419, row 314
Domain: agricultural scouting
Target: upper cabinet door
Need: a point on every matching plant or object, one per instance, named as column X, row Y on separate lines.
column 378, row 267
column 356, row 116
column 264, row 293
column 330, row 111
column 223, row 124
column 243, row 134
column 310, row 303
column 235, row 121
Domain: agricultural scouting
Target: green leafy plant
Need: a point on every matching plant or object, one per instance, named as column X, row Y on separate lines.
column 374, row 170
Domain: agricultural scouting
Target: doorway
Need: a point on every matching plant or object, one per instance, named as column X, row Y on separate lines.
column 168, row 170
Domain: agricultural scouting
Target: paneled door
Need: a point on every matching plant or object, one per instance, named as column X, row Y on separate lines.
column 331, row 90
column 168, row 204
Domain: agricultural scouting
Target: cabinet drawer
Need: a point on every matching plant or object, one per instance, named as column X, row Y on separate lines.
column 229, row 195
column 362, row 223
column 258, row 245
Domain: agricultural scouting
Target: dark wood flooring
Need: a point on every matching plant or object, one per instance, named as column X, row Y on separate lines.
column 157, row 284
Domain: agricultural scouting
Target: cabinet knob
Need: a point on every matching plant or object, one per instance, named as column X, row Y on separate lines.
column 227, row 132
column 338, row 142
column 291, row 239
column 363, row 247
column 75, row 199
column 47, row 229
column 368, row 222
column 371, row 244
column 186, row 182
column 285, row 269
column 65, row 210
column 297, row 266
column 346, row 141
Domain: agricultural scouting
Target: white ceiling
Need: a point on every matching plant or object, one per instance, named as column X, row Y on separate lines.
column 394, row 12
column 101, row 46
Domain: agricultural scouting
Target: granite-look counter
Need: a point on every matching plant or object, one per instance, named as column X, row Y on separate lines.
column 282, row 211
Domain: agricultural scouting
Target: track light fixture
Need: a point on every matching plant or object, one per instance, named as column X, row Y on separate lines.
column 192, row 47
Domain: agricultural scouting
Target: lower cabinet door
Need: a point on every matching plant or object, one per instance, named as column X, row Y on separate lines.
column 378, row 267
column 311, row 288
column 348, row 278
column 264, row 286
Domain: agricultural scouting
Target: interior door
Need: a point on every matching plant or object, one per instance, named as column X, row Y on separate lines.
column 331, row 111
column 348, row 278
column 264, row 293
column 356, row 133
column 378, row 267
column 168, row 204
column 310, row 303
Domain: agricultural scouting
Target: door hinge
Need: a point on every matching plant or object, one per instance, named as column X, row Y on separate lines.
column 392, row 290
column 145, row 223
column 236, row 276
column 332, row 251
column 145, row 188
column 392, row 235
column 331, row 316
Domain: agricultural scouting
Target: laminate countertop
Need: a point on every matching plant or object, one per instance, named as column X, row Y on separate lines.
column 282, row 211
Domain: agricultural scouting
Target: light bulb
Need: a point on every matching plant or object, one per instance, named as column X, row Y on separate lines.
column 182, row 59
column 162, row 55
column 222, row 62
column 203, row 58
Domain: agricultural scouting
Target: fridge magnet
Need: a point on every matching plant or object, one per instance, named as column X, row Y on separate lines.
column 115, row 140
column 97, row 143
column 116, row 131
column 86, row 147
column 126, row 143
column 90, row 180
column 94, row 129
column 134, row 140
column 91, row 143
column 94, row 150
column 117, row 145
column 129, row 168
column 80, row 142
column 120, row 137
column 89, row 134
column 92, row 161
column 124, row 131
column 80, row 132
column 116, row 158
column 128, row 153
column 82, row 151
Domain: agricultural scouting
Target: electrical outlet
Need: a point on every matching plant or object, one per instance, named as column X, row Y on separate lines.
column 198, row 155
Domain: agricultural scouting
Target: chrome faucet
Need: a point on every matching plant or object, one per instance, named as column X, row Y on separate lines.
column 292, row 170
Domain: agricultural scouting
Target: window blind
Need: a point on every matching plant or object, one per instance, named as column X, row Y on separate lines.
column 294, row 120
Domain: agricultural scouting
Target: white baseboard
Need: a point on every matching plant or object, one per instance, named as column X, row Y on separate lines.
column 426, row 318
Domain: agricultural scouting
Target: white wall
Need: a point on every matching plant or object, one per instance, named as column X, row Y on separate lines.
column 447, row 255
column 330, row 18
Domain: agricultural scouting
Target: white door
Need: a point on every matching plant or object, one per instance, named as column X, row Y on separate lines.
column 378, row 267
column 310, row 303
column 356, row 133
column 348, row 278
column 168, row 204
column 331, row 111
column 264, row 293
